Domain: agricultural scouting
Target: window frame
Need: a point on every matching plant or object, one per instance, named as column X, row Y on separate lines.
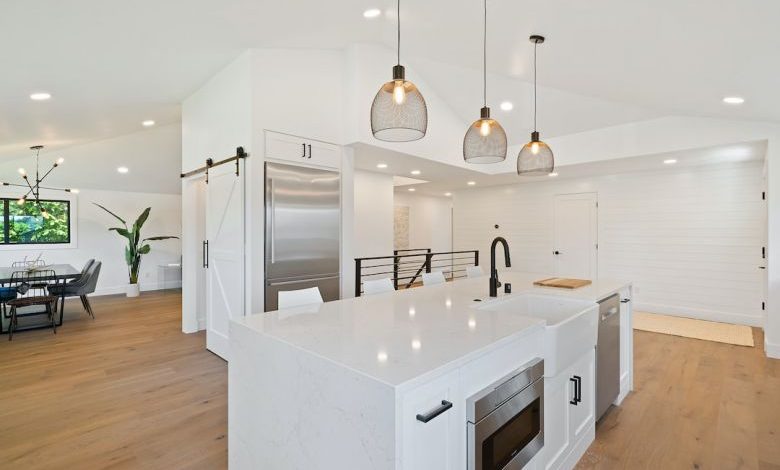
column 6, row 215
column 46, row 195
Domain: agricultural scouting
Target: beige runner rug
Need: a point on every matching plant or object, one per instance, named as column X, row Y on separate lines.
column 698, row 329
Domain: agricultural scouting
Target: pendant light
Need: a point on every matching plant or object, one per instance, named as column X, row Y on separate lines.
column 535, row 158
column 485, row 140
column 398, row 113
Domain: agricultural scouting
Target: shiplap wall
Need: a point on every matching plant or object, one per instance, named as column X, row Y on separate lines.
column 689, row 238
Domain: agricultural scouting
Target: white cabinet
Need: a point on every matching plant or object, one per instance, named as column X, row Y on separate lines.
column 569, row 412
column 299, row 150
column 433, row 444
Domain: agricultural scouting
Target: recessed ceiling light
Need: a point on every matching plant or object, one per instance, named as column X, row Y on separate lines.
column 670, row 161
column 507, row 106
column 381, row 356
column 552, row 175
column 412, row 190
column 416, row 344
column 448, row 194
column 415, row 172
column 122, row 169
column 372, row 13
column 471, row 183
column 381, row 166
column 40, row 96
column 148, row 123
column 733, row 100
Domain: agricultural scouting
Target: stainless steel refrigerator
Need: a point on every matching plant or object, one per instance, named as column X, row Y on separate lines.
column 302, row 231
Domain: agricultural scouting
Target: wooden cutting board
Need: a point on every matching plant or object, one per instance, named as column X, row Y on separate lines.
column 563, row 282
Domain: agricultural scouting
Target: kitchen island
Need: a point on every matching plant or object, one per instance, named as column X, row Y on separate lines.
column 383, row 381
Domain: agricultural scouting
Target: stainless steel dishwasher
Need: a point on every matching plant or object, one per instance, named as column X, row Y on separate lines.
column 608, row 355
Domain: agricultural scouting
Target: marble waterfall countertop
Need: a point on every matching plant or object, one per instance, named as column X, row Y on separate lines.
column 401, row 336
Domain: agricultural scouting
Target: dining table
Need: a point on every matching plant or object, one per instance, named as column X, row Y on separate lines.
column 63, row 273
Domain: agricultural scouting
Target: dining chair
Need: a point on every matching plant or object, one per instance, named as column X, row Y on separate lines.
column 474, row 271
column 431, row 279
column 295, row 298
column 33, row 287
column 377, row 286
column 81, row 287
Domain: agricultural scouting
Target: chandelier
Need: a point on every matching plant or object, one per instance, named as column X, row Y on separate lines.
column 34, row 187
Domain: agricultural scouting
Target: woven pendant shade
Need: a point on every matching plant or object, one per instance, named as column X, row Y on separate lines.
column 485, row 141
column 399, row 113
column 535, row 158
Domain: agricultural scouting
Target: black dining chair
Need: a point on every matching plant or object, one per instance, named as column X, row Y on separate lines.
column 33, row 289
column 80, row 287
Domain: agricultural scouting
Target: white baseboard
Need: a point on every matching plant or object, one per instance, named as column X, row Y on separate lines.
column 772, row 349
column 701, row 314
column 121, row 289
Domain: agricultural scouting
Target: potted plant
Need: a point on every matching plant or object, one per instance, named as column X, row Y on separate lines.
column 136, row 247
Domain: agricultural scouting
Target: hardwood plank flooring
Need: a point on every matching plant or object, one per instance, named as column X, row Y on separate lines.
column 130, row 391
column 696, row 405
column 126, row 390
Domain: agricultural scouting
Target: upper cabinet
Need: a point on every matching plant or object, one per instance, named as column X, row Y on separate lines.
column 300, row 150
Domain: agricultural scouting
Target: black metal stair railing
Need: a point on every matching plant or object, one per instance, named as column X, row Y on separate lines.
column 405, row 267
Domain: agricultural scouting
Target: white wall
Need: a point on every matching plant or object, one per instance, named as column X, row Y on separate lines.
column 373, row 222
column 430, row 220
column 95, row 241
column 689, row 238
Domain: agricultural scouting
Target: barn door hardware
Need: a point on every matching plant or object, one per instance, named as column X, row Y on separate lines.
column 240, row 154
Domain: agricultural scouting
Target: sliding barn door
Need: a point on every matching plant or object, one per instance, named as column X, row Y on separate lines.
column 224, row 255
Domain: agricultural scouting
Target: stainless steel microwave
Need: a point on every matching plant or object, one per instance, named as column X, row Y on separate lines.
column 506, row 420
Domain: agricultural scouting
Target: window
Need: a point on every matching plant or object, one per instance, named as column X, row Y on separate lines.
column 25, row 224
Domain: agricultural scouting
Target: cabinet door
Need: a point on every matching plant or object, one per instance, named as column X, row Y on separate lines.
column 434, row 444
column 583, row 413
column 558, row 391
column 301, row 150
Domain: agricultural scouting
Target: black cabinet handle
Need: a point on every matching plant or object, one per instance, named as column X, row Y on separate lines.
column 578, row 396
column 445, row 405
column 574, row 401
column 304, row 151
column 309, row 150
column 206, row 253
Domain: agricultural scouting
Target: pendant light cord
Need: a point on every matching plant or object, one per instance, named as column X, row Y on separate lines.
column 536, row 44
column 398, row 22
column 484, row 56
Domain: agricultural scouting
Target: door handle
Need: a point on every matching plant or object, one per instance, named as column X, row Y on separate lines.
column 574, row 401
column 304, row 151
column 309, row 150
column 762, row 267
column 445, row 405
column 625, row 301
column 556, row 252
column 272, row 218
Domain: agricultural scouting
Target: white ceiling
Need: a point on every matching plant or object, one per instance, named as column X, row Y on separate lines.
column 110, row 65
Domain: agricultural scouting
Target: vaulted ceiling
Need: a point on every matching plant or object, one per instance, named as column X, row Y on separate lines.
column 110, row 65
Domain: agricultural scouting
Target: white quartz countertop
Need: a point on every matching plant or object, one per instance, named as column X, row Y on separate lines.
column 399, row 336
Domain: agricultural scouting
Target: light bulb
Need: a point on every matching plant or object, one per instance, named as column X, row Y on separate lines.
column 21, row 171
column 535, row 148
column 399, row 93
column 20, row 201
column 484, row 128
column 60, row 161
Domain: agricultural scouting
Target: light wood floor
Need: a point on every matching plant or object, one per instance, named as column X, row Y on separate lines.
column 126, row 390
column 696, row 405
column 129, row 390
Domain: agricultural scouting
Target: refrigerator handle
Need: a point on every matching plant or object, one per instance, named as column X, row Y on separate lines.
column 272, row 220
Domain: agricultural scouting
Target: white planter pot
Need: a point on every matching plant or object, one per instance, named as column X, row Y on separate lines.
column 133, row 290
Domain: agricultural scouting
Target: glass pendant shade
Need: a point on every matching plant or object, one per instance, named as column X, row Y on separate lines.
column 399, row 112
column 485, row 141
column 535, row 158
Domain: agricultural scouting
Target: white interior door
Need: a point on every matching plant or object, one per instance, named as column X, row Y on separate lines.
column 224, row 255
column 576, row 235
